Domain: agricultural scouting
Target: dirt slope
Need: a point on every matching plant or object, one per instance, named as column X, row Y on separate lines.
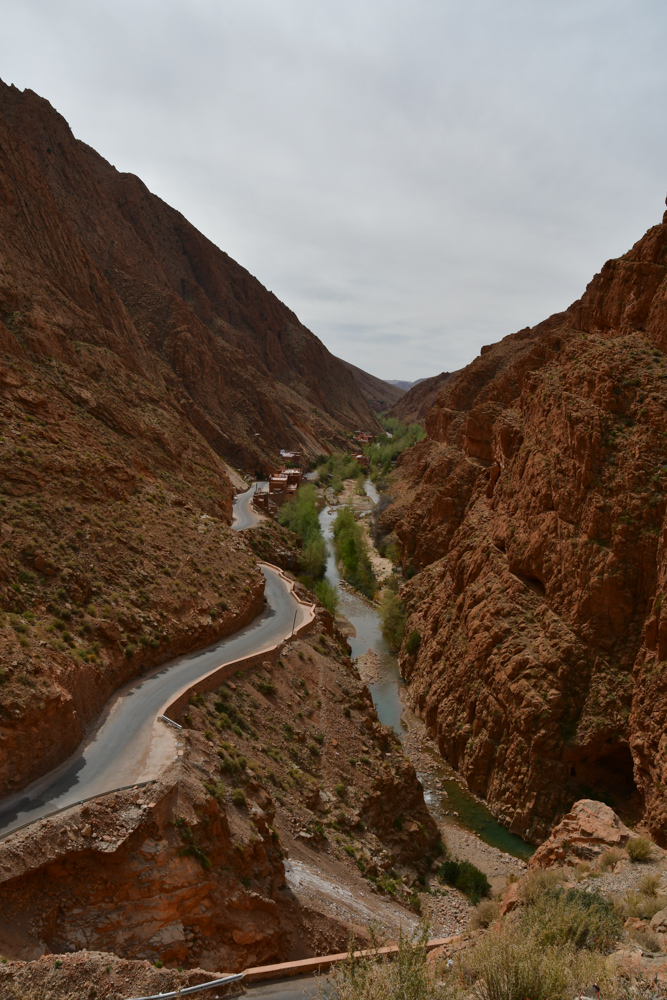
column 379, row 395
column 413, row 406
column 535, row 511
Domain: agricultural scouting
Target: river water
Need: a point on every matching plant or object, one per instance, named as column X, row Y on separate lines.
column 443, row 789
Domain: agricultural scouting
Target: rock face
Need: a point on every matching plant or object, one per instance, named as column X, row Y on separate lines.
column 190, row 871
column 534, row 512
column 582, row 835
column 93, row 262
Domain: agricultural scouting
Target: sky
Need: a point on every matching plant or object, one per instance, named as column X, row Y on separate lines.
column 414, row 178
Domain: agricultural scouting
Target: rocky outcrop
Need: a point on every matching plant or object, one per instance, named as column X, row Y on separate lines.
column 582, row 835
column 168, row 872
column 534, row 513
column 189, row 870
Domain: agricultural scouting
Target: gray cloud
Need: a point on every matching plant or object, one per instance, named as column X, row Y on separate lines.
column 414, row 179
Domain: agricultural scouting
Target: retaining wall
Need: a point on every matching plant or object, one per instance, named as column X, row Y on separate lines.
column 216, row 677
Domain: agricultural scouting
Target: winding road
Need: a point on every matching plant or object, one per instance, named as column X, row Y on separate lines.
column 128, row 745
column 244, row 515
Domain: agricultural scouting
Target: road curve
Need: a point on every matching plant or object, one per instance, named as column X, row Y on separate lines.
column 121, row 749
column 244, row 515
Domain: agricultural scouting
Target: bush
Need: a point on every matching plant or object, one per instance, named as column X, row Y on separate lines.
column 637, row 904
column 649, row 884
column 465, row 877
column 582, row 919
column 539, row 882
column 413, row 642
column 407, row 976
column 392, row 618
column 352, row 551
column 509, row 965
column 238, row 797
column 639, row 848
column 484, row 914
column 326, row 595
column 610, row 858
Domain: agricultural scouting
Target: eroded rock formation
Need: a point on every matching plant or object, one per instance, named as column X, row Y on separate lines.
column 535, row 514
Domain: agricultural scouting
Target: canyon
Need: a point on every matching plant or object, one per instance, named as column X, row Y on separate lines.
column 533, row 519
column 141, row 372
column 145, row 377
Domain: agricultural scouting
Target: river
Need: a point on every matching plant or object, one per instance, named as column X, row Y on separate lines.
column 444, row 791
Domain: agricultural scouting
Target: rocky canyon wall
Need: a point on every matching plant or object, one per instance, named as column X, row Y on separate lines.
column 534, row 513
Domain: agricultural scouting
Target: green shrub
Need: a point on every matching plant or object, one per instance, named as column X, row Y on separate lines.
column 326, row 595
column 238, row 797
column 392, row 618
column 639, row 848
column 413, row 642
column 465, row 877
column 353, row 553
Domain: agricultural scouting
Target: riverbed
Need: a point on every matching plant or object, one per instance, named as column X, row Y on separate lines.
column 446, row 796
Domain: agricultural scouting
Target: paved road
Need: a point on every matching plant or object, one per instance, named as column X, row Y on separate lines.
column 122, row 748
column 244, row 515
column 296, row 988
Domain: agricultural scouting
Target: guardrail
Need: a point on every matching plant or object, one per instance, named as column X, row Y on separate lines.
column 193, row 989
column 301, row 967
column 217, row 676
column 79, row 802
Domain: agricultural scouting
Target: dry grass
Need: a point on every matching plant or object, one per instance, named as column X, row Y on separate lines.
column 646, row 939
column 639, row 904
column 639, row 848
column 538, row 882
column 608, row 859
column 508, row 964
column 484, row 914
column 649, row 884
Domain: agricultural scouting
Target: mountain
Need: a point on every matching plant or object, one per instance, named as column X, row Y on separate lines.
column 419, row 398
column 402, row 384
column 136, row 360
column 379, row 395
column 92, row 257
column 534, row 516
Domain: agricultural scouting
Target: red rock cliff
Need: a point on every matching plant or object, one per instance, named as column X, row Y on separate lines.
column 535, row 513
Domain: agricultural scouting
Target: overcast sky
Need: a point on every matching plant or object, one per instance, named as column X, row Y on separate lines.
column 415, row 178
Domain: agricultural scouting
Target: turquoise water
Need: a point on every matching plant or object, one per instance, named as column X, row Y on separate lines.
column 386, row 694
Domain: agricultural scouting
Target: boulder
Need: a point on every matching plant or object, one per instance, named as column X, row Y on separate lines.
column 659, row 922
column 583, row 834
column 511, row 898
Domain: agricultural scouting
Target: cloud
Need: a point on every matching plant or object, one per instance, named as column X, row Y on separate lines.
column 414, row 179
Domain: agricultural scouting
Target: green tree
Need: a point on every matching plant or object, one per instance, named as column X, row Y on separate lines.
column 392, row 617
